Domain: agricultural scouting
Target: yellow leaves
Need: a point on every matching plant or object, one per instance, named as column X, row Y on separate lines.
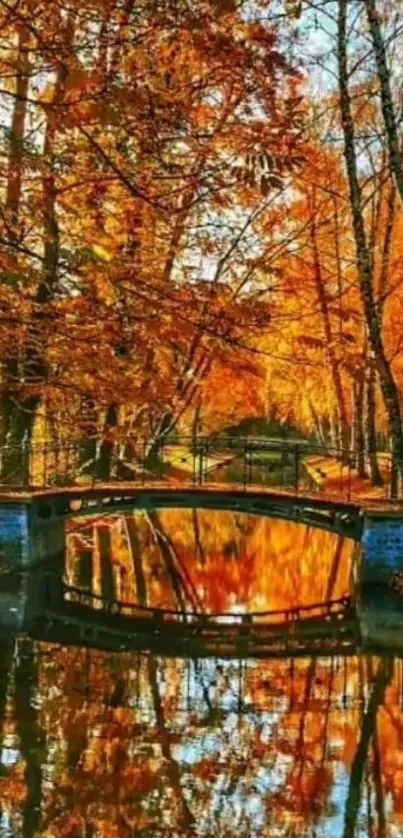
column 102, row 253
column 143, row 133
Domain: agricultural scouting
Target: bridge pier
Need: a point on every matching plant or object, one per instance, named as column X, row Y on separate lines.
column 380, row 616
column 14, row 535
column 382, row 543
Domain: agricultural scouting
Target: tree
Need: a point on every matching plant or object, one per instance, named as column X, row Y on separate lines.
column 142, row 178
column 387, row 381
column 388, row 108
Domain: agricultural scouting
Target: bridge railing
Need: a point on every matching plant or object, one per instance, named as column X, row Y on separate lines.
column 297, row 466
column 335, row 609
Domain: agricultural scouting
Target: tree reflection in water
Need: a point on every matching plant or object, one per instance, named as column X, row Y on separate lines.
column 115, row 745
column 127, row 744
column 207, row 560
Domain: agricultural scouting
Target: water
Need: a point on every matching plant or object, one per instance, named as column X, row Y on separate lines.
column 107, row 743
column 207, row 560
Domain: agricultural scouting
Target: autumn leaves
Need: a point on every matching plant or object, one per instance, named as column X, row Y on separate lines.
column 186, row 238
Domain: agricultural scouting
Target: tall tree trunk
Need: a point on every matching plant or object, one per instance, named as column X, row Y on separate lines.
column 342, row 422
column 388, row 109
column 11, row 371
column 320, row 433
column 388, row 385
column 370, row 428
column 386, row 248
column 16, row 155
column 334, row 431
column 359, row 439
column 88, row 445
column 105, row 454
column 381, row 291
column 21, row 413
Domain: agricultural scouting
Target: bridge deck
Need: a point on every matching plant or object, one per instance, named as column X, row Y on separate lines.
column 127, row 489
column 82, row 617
column 342, row 517
column 75, row 626
column 133, row 489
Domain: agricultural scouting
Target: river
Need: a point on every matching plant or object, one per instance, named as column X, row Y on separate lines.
column 115, row 743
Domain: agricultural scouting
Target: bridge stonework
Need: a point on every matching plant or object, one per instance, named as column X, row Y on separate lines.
column 14, row 534
column 382, row 548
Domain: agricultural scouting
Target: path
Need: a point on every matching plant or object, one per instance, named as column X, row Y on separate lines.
column 333, row 478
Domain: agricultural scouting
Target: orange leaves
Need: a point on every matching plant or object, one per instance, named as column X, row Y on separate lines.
column 13, row 788
column 139, row 780
column 247, row 394
column 139, row 223
column 309, row 789
column 71, row 826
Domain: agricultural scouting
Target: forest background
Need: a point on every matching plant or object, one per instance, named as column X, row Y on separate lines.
column 200, row 222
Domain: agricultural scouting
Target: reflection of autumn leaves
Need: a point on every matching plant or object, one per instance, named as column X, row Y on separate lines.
column 272, row 564
column 12, row 787
column 176, row 749
column 119, row 768
column 390, row 739
column 214, row 560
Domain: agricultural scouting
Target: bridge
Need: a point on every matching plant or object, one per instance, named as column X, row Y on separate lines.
column 294, row 480
column 296, row 466
column 43, row 506
column 42, row 605
column 56, row 611
column 342, row 517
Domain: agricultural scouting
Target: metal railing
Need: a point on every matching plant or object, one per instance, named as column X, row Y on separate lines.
column 297, row 466
column 332, row 609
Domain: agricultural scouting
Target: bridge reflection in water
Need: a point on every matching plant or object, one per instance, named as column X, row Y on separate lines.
column 175, row 725
column 188, row 582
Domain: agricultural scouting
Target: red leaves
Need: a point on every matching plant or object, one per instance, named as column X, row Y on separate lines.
column 206, row 769
column 139, row 780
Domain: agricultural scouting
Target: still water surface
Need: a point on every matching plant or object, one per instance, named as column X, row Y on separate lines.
column 110, row 745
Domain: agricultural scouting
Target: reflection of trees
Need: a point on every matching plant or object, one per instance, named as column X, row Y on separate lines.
column 7, row 649
column 7, row 646
column 138, row 745
column 131, row 743
column 182, row 584
column 136, row 557
column 334, row 568
column 186, row 818
column 207, row 560
column 199, row 548
column 368, row 727
column 30, row 735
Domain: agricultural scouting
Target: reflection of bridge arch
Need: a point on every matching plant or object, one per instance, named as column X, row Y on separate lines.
column 340, row 517
column 68, row 614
